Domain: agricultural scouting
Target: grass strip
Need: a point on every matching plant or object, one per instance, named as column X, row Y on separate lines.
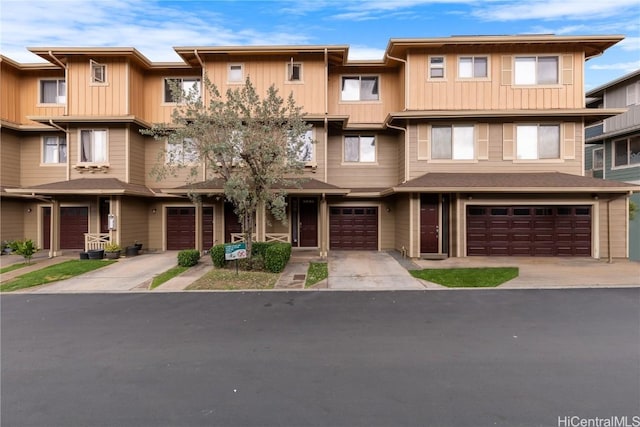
column 488, row 277
column 167, row 275
column 13, row 267
column 53, row 273
column 317, row 272
column 223, row 279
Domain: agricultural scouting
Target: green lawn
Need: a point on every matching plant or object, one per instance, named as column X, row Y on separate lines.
column 224, row 279
column 53, row 273
column 467, row 277
column 317, row 272
column 13, row 267
column 167, row 275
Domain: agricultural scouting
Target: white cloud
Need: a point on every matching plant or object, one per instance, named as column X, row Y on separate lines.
column 627, row 67
column 630, row 44
column 554, row 9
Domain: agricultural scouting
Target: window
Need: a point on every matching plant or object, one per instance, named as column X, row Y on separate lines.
column 537, row 142
column 181, row 153
column 360, row 88
column 305, row 154
column 452, row 142
column 597, row 159
column 536, row 70
column 236, row 73
column 633, row 94
column 54, row 149
column 626, row 151
column 294, row 72
column 360, row 149
column 472, row 67
column 436, row 67
column 53, row 91
column 186, row 84
column 93, row 146
column 98, row 72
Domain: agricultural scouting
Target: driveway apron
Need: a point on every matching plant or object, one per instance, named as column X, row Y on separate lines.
column 368, row 270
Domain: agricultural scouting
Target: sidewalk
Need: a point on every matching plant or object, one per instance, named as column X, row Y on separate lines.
column 179, row 283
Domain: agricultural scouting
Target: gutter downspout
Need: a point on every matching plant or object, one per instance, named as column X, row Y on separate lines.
column 406, row 79
column 66, row 131
column 326, row 110
column 406, row 150
column 66, row 91
column 610, row 260
column 204, row 103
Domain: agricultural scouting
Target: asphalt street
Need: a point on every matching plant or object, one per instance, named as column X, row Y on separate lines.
column 411, row 358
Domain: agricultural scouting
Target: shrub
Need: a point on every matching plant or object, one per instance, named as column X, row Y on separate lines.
column 188, row 257
column 260, row 248
column 217, row 255
column 26, row 248
column 255, row 263
column 112, row 247
column 276, row 257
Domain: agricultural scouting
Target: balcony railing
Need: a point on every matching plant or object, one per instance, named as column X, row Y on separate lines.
column 269, row 237
column 95, row 241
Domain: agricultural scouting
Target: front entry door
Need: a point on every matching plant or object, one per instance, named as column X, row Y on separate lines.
column 46, row 227
column 308, row 222
column 429, row 225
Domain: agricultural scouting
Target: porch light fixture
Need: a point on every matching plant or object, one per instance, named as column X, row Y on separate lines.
column 29, row 210
column 154, row 210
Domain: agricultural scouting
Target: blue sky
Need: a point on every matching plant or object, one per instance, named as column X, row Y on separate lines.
column 154, row 27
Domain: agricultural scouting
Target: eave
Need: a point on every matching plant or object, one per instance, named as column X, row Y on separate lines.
column 89, row 119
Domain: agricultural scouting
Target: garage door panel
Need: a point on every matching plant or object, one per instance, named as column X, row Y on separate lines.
column 181, row 228
column 74, row 222
column 353, row 228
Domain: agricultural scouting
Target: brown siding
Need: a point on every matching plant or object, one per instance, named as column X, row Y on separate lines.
column 88, row 99
column 137, row 91
column 136, row 159
column 10, row 159
column 619, row 233
column 156, row 110
column 387, row 221
column 153, row 156
column 10, row 99
column 134, row 217
column 116, row 157
column 12, row 219
column 32, row 171
column 30, row 92
column 402, row 222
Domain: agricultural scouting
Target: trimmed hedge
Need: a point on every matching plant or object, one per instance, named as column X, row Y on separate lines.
column 269, row 256
column 217, row 255
column 277, row 256
column 260, row 248
column 188, row 257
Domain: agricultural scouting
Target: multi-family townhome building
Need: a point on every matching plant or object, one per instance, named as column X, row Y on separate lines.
column 613, row 144
column 446, row 147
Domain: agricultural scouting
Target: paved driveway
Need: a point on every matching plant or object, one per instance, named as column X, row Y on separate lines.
column 368, row 270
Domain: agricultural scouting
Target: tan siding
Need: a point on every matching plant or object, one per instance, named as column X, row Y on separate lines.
column 402, row 223
column 156, row 110
column 137, row 92
column 317, row 172
column 9, row 97
column 30, row 93
column 153, row 156
column 87, row 99
column 136, row 157
column 134, row 217
column 387, row 221
column 383, row 173
column 9, row 159
column 618, row 224
column 116, row 156
column 12, row 219
column 154, row 226
column 32, row 171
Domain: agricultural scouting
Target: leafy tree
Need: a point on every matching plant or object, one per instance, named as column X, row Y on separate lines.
column 253, row 146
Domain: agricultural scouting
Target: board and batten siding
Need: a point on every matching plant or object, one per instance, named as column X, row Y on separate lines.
column 495, row 151
column 32, row 170
column 97, row 99
column 497, row 91
column 137, row 93
column 10, row 159
column 136, row 158
column 30, row 96
column 9, row 88
column 619, row 235
column 153, row 105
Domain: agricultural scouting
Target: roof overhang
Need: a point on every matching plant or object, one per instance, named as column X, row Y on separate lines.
column 88, row 119
column 55, row 55
column 84, row 186
column 216, row 187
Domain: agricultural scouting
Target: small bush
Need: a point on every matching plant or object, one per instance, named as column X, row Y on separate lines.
column 112, row 247
column 277, row 256
column 188, row 257
column 217, row 255
column 26, row 248
column 260, row 248
column 255, row 263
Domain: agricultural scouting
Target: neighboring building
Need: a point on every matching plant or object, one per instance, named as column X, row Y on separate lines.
column 454, row 146
column 613, row 150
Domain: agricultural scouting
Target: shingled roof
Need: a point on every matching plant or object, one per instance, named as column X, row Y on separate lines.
column 215, row 186
column 107, row 186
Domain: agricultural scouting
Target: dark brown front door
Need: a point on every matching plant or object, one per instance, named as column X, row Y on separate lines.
column 309, row 222
column 207, row 227
column 353, row 228
column 181, row 228
column 231, row 224
column 104, row 215
column 74, row 222
column 46, row 227
column 429, row 226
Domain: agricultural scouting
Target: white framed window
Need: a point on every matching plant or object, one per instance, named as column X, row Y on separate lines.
column 534, row 142
column 235, row 73
column 633, row 94
column 98, row 72
column 93, row 146
column 181, row 153
column 306, row 153
column 473, row 67
column 597, row 159
column 294, row 71
column 626, row 152
column 185, row 83
column 436, row 67
column 359, row 88
column 54, row 149
column 359, row 149
column 452, row 142
column 536, row 70
column 53, row 91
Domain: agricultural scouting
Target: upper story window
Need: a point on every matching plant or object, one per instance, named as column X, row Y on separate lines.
column 626, row 152
column 294, row 72
column 306, row 153
column 360, row 149
column 436, row 67
column 98, row 72
column 633, row 94
column 360, row 88
column 597, row 159
column 536, row 70
column 473, row 67
column 185, row 83
column 537, row 142
column 181, row 153
column 53, row 91
column 235, row 73
column 452, row 142
column 54, row 149
column 93, row 146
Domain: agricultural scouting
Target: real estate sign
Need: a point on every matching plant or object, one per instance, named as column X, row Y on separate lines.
column 235, row 251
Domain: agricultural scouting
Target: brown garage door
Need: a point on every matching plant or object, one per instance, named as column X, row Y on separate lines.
column 74, row 222
column 529, row 230
column 353, row 228
column 181, row 228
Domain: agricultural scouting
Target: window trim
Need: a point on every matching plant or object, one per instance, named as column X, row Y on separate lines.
column 179, row 163
column 537, row 57
column 559, row 159
column 473, row 77
column 182, row 79
column 287, row 79
column 92, row 81
column 451, row 126
column 235, row 64
column 593, row 159
column 312, row 161
column 632, row 94
column 40, row 94
column 430, row 67
column 360, row 101
column 79, row 143
column 359, row 136
column 628, row 150
column 42, row 151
